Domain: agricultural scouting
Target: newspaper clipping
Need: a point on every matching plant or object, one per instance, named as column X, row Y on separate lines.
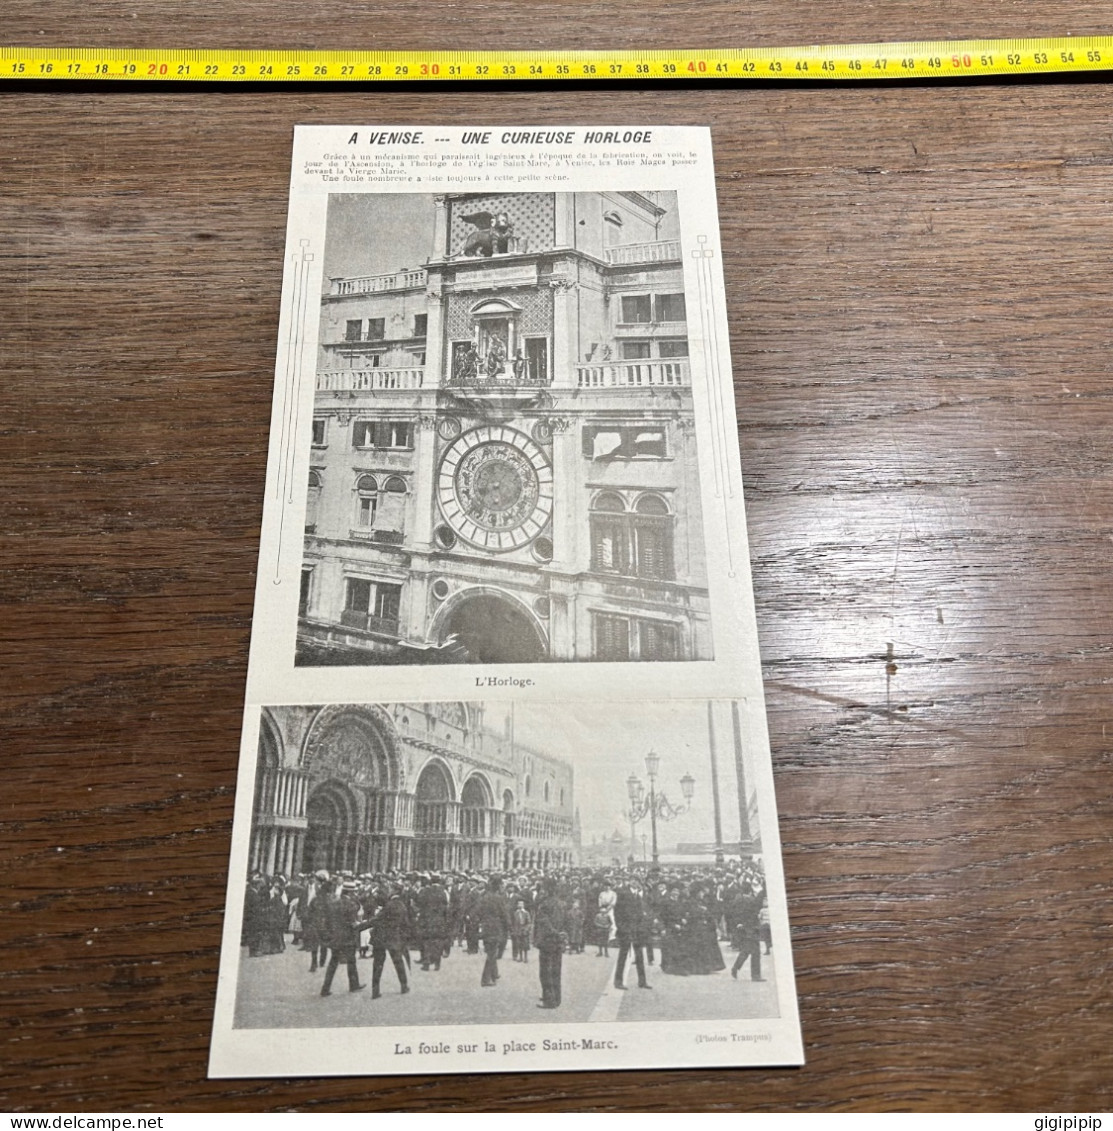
column 505, row 798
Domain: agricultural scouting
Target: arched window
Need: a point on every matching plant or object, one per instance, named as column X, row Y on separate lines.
column 546, row 792
column 637, row 544
column 367, row 494
column 651, row 504
column 312, row 502
column 527, row 785
column 381, row 505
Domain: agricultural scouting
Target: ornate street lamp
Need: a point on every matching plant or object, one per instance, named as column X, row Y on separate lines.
column 654, row 804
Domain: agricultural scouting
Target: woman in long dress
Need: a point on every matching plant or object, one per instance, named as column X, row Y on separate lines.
column 706, row 957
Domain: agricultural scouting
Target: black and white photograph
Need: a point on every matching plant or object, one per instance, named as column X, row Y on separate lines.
column 503, row 465
column 487, row 863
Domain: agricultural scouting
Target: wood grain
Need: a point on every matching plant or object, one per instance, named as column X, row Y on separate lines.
column 919, row 286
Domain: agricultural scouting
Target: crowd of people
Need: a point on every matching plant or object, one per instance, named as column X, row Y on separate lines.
column 676, row 919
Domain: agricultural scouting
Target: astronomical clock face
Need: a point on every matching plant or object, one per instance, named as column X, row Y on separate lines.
column 495, row 488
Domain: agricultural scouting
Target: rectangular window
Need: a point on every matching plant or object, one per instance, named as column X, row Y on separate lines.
column 669, row 308
column 673, row 347
column 657, row 641
column 319, row 432
column 376, row 329
column 627, row 441
column 537, row 360
column 636, row 308
column 388, row 601
column 626, row 638
column 612, row 638
column 372, row 606
column 391, row 434
column 358, row 596
column 610, row 544
column 421, row 325
column 399, row 434
column 303, row 594
column 353, row 330
column 653, row 547
column 635, row 350
column 636, row 544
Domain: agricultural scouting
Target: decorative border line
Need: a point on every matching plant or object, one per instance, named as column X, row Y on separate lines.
column 291, row 393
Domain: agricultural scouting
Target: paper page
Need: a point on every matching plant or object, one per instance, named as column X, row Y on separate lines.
column 505, row 799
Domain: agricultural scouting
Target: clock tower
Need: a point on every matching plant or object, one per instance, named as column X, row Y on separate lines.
column 504, row 466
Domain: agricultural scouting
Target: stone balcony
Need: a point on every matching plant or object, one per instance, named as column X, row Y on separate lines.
column 375, row 284
column 644, row 374
column 659, row 251
column 369, row 380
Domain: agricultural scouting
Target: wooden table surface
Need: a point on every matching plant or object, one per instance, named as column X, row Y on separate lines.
column 919, row 280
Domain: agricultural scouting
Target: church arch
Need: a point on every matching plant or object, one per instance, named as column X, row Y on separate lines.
column 268, row 763
column 357, row 744
column 332, row 821
column 492, row 626
column 435, row 815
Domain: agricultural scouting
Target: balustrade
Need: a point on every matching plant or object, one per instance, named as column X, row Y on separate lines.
column 658, row 251
column 372, row 284
column 368, row 622
column 367, row 380
column 654, row 372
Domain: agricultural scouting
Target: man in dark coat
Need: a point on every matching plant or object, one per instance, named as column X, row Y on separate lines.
column 342, row 925
column 470, row 905
column 744, row 913
column 494, row 928
column 550, row 934
column 389, row 929
column 432, row 922
column 632, row 921
column 311, row 914
column 255, row 905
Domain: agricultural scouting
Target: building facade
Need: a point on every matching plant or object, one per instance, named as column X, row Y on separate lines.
column 371, row 788
column 503, row 461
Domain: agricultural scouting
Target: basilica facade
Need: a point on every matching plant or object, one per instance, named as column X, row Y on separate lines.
column 372, row 788
column 503, row 464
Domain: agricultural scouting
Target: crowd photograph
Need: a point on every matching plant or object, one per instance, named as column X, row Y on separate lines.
column 573, row 900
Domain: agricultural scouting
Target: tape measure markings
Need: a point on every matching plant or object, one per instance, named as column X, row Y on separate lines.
column 939, row 59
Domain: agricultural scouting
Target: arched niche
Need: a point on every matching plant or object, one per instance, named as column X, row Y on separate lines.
column 355, row 744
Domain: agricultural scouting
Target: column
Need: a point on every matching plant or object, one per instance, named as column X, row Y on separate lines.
column 436, row 355
column 715, row 781
column 565, row 221
column 565, row 330
column 745, row 834
column 440, row 246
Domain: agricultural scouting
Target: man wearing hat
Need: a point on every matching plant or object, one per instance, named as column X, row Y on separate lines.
column 389, row 929
column 550, row 935
column 494, row 928
column 432, row 921
column 744, row 914
column 312, row 919
column 632, row 922
column 341, row 923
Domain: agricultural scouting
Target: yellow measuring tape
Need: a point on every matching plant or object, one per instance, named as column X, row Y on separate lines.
column 855, row 61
